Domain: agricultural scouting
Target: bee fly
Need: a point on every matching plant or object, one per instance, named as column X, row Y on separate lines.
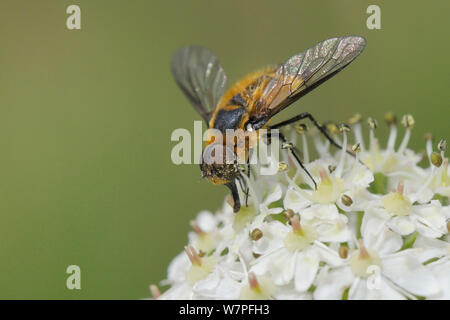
column 251, row 102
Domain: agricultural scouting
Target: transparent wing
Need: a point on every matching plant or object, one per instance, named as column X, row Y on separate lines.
column 200, row 76
column 305, row 71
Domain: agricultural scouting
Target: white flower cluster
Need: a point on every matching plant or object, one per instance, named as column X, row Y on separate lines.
column 376, row 227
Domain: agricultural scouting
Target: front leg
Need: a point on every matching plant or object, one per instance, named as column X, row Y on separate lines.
column 287, row 145
column 323, row 131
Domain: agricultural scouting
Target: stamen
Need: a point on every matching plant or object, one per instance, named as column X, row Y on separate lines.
column 323, row 175
column 331, row 168
column 321, row 147
column 357, row 129
column 154, row 290
column 301, row 130
column 346, row 200
column 288, row 214
column 295, row 223
column 282, row 166
column 193, row 256
column 340, row 167
column 442, row 146
column 429, row 145
column 253, row 282
column 334, row 131
column 256, row 234
column 356, row 148
column 373, row 142
column 400, row 187
column 363, row 253
column 391, row 120
column 196, row 228
column 436, row 159
column 408, row 123
column 343, row 252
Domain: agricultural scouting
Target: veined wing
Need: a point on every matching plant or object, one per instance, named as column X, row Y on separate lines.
column 200, row 76
column 304, row 72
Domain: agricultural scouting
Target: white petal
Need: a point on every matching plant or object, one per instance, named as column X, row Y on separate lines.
column 292, row 294
column 441, row 270
column 177, row 269
column 402, row 225
column 273, row 236
column 433, row 216
column 217, row 286
column 335, row 230
column 282, row 268
column 273, row 194
column 359, row 176
column 305, row 269
column 431, row 248
column 405, row 270
column 181, row 291
column 206, row 221
column 320, row 211
column 294, row 200
column 333, row 284
column 328, row 255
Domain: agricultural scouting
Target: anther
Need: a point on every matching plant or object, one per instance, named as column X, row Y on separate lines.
column 301, row 128
column 346, row 200
column 287, row 145
column 408, row 121
column 344, row 128
column 331, row 168
column 356, row 148
column 428, row 136
column 288, row 214
column 390, row 118
column 354, row 119
column 332, row 128
column 283, row 166
column 343, row 252
column 372, row 123
column 295, row 223
column 436, row 159
column 442, row 145
column 256, row 234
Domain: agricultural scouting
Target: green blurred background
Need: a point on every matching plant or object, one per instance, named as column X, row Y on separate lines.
column 86, row 118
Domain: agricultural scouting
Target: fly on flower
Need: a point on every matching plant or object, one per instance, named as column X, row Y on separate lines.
column 251, row 102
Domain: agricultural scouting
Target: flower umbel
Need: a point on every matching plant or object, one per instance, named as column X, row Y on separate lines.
column 375, row 227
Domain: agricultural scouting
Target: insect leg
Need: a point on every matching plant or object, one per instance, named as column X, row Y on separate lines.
column 248, row 176
column 294, row 153
column 322, row 130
